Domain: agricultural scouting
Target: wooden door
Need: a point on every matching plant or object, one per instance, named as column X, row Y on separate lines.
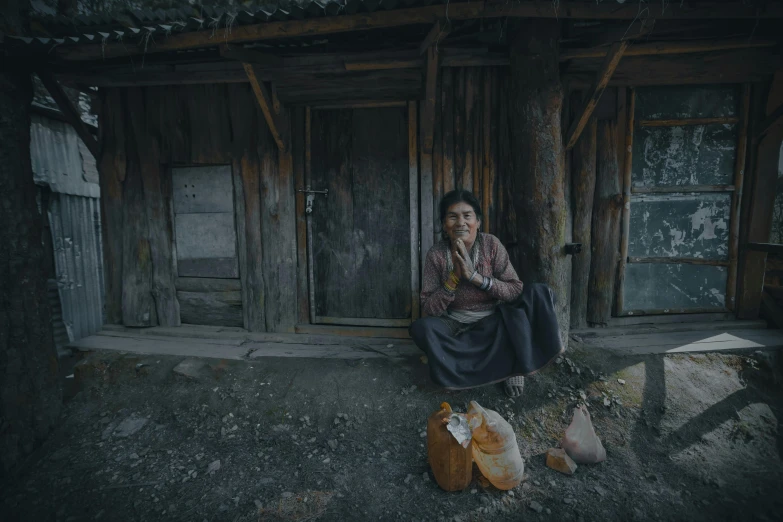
column 363, row 233
column 683, row 187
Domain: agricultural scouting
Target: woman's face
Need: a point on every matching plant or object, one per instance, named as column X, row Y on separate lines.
column 461, row 223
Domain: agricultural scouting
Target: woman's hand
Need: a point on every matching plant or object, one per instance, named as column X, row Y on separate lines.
column 463, row 265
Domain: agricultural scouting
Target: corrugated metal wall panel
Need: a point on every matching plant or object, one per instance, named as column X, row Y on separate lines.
column 57, row 160
column 75, row 225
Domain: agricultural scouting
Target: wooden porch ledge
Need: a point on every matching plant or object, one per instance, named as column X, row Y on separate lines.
column 239, row 344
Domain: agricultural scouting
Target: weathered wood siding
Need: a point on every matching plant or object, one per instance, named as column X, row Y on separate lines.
column 146, row 132
column 466, row 141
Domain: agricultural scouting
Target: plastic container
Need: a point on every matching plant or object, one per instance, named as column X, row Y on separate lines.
column 495, row 449
column 451, row 464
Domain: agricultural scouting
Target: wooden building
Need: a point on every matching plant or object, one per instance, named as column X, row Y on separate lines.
column 279, row 169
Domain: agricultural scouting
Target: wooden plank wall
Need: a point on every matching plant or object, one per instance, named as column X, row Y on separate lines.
column 146, row 131
column 466, row 136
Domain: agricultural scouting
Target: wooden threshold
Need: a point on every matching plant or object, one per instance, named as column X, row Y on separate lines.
column 671, row 311
column 352, row 331
column 362, row 321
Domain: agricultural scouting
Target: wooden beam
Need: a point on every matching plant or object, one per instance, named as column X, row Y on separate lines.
column 275, row 122
column 243, row 55
column 421, row 15
column 762, row 182
column 597, row 89
column 382, row 65
column 728, row 120
column 769, row 248
column 69, row 112
column 771, row 120
column 439, row 31
column 660, row 48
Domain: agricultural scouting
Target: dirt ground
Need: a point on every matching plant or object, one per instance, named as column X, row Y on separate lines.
column 688, row 437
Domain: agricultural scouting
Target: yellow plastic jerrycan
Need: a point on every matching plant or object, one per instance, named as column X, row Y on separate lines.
column 451, row 463
column 495, row 449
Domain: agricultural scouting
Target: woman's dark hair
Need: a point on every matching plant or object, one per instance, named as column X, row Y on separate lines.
column 458, row 196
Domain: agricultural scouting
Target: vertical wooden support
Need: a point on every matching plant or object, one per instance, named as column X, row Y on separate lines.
column 446, row 123
column 160, row 232
column 626, row 219
column 308, row 180
column 605, row 227
column 537, row 177
column 736, row 199
column 583, row 164
column 760, row 208
column 427, row 130
column 111, row 168
column 486, row 160
column 413, row 180
column 298, row 151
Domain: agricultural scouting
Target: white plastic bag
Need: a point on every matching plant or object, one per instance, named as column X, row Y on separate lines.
column 580, row 441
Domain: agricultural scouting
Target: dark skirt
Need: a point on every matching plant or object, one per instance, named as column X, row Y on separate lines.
column 520, row 338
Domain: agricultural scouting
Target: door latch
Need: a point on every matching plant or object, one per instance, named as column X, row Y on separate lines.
column 311, row 197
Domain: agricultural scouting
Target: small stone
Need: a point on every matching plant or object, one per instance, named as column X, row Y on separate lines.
column 569, row 501
column 130, row 426
column 286, row 494
column 134, row 456
column 473, row 491
column 190, row 368
column 327, row 460
column 559, row 360
column 535, row 506
column 332, row 444
column 607, row 402
column 423, row 434
column 425, row 477
column 601, row 491
column 621, row 381
column 213, row 466
column 336, row 421
column 510, row 493
column 557, row 459
column 408, row 478
column 258, row 503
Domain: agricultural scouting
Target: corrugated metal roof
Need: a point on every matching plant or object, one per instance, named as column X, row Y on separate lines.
column 133, row 26
column 59, row 160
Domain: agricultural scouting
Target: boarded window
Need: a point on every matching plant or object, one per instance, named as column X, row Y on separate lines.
column 204, row 222
column 684, row 156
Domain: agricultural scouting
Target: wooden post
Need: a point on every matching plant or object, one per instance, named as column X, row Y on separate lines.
column 427, row 131
column 605, row 226
column 762, row 200
column 583, row 181
column 736, row 199
column 537, row 161
column 413, row 191
column 626, row 199
column 161, row 237
column 111, row 171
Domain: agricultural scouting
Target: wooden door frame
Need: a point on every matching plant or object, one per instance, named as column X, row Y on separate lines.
column 735, row 189
column 302, row 179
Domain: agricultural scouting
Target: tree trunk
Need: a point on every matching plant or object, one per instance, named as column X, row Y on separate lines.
column 537, row 161
column 583, row 168
column 606, row 226
column 29, row 385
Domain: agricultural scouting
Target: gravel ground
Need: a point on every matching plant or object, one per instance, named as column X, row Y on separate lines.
column 688, row 437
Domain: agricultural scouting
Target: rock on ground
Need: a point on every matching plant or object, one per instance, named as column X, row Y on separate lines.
column 558, row 459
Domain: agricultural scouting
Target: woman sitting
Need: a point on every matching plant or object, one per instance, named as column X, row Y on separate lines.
column 483, row 326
